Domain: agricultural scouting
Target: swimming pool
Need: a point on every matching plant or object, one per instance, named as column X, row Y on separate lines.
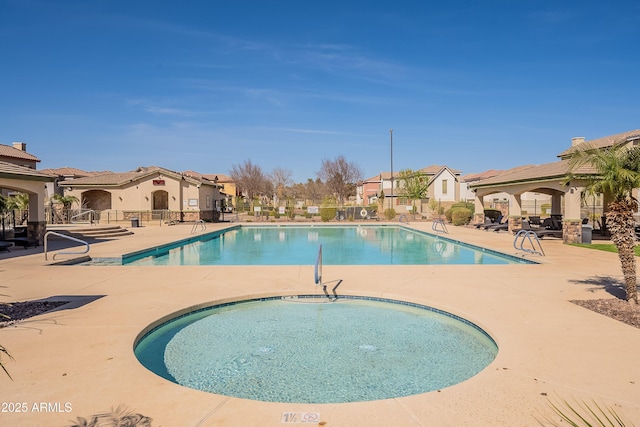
column 298, row 245
column 302, row 349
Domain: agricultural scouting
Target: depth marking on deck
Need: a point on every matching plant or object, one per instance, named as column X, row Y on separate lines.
column 300, row 417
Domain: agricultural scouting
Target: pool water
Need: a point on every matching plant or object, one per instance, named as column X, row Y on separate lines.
column 308, row 350
column 342, row 245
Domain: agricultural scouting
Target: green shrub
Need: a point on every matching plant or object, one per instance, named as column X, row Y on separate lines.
column 449, row 214
column 466, row 205
column 327, row 214
column 390, row 214
column 461, row 216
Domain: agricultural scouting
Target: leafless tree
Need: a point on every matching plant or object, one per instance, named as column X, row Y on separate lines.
column 250, row 180
column 281, row 179
column 340, row 177
column 314, row 190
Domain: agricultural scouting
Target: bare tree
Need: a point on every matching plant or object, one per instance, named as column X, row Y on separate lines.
column 340, row 177
column 281, row 179
column 250, row 179
column 314, row 190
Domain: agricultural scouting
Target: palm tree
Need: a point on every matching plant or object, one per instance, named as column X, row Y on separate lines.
column 67, row 202
column 3, row 210
column 19, row 202
column 617, row 175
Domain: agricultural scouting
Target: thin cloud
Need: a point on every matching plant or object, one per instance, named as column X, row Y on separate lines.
column 314, row 131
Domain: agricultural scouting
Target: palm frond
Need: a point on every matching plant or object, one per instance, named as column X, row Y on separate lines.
column 587, row 415
column 5, row 351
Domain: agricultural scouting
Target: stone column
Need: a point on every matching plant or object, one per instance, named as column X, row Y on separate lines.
column 515, row 222
column 515, row 212
column 36, row 230
column 478, row 216
column 572, row 231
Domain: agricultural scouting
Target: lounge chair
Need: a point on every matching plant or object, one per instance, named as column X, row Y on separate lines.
column 500, row 227
column 541, row 232
column 4, row 246
column 496, row 225
column 535, row 221
column 487, row 222
column 25, row 242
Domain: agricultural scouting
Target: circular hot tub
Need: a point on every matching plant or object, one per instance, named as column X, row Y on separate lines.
column 305, row 349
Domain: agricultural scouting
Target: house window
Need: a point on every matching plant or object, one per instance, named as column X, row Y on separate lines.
column 444, row 186
column 208, row 201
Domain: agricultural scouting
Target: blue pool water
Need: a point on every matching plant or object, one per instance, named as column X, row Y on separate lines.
column 307, row 350
column 342, row 245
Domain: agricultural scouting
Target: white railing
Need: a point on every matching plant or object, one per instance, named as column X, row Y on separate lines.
column 92, row 215
column 64, row 236
column 317, row 272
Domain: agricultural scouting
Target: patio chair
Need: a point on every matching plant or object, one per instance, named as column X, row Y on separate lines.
column 4, row 246
column 25, row 242
column 496, row 224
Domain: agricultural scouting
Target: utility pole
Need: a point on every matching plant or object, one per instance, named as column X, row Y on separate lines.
column 391, row 198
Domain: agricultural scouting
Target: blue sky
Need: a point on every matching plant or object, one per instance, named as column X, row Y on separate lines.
column 204, row 85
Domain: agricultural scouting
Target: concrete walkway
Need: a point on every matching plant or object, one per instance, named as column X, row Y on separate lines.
column 78, row 362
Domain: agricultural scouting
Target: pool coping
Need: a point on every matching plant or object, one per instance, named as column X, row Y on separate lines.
column 162, row 249
column 550, row 349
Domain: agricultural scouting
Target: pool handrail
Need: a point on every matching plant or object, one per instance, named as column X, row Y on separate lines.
column 317, row 272
column 82, row 213
column 46, row 239
column 528, row 234
column 196, row 223
column 443, row 227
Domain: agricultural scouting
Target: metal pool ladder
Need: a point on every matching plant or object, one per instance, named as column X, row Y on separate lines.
column 532, row 238
column 442, row 227
column 198, row 225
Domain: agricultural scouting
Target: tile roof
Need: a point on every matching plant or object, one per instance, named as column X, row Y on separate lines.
column 121, row 178
column 68, row 171
column 10, row 170
column 221, row 177
column 472, row 177
column 429, row 170
column 434, row 169
column 607, row 141
column 544, row 171
column 9, row 151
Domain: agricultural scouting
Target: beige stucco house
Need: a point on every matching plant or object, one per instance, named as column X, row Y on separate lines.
column 226, row 185
column 18, row 174
column 550, row 179
column 147, row 193
column 443, row 186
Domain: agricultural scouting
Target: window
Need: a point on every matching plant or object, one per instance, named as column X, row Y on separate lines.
column 444, row 186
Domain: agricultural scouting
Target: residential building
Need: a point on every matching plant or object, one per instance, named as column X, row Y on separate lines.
column 443, row 186
column 551, row 179
column 18, row 175
column 160, row 192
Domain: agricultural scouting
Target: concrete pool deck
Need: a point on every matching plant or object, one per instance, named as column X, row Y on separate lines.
column 79, row 362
